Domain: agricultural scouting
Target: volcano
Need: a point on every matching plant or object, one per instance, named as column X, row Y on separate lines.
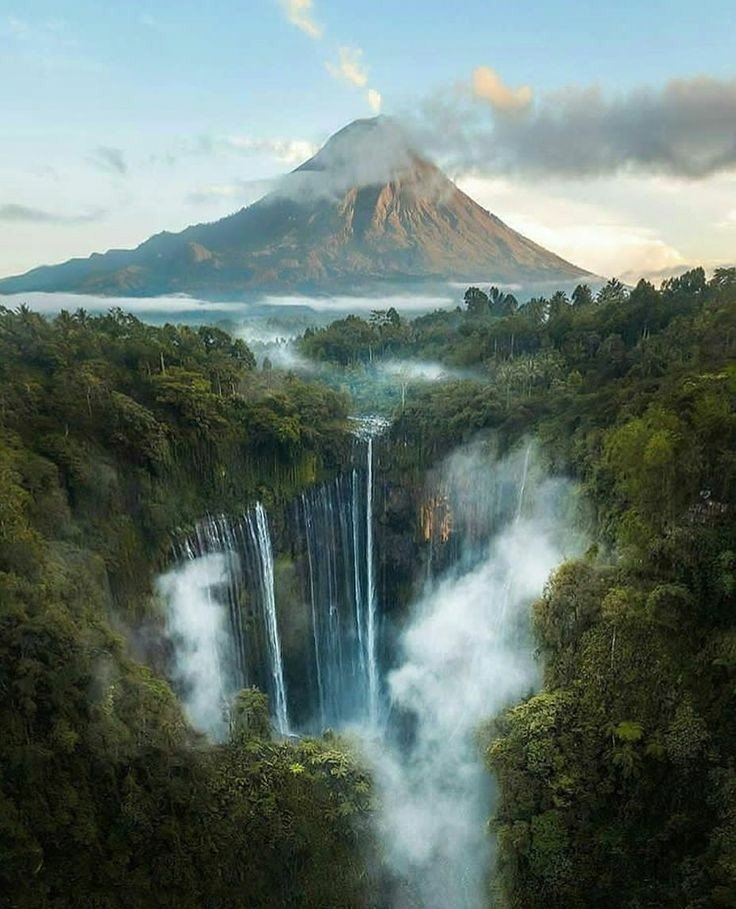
column 366, row 211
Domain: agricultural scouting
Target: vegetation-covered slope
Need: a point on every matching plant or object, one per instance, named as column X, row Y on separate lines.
column 618, row 780
column 112, row 434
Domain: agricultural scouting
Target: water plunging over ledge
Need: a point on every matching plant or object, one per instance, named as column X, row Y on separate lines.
column 226, row 582
column 463, row 655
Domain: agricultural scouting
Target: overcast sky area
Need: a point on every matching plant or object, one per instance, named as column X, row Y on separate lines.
column 605, row 132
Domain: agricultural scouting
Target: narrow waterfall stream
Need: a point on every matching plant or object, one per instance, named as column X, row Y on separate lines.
column 221, row 607
column 371, row 645
column 257, row 523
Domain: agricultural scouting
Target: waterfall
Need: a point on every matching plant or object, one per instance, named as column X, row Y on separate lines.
column 496, row 527
column 225, row 611
column 309, row 536
column 336, row 549
column 337, row 662
column 367, row 429
column 333, row 522
column 371, row 648
column 222, row 619
column 524, row 478
column 258, row 526
column 357, row 586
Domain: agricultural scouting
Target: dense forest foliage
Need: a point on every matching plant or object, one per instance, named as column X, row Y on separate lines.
column 617, row 781
column 112, row 435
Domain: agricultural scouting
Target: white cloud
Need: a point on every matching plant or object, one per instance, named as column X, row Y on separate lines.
column 729, row 220
column 374, row 100
column 31, row 215
column 350, row 67
column 592, row 235
column 242, row 192
column 620, row 250
column 488, row 86
column 682, row 129
column 43, row 35
column 218, row 191
column 18, row 28
column 288, row 151
column 299, row 13
column 341, row 304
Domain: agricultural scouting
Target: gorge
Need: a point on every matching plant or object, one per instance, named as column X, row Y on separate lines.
column 255, row 651
column 412, row 691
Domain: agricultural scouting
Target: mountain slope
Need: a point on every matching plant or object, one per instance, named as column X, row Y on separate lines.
column 365, row 208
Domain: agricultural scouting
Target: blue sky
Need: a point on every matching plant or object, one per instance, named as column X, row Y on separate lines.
column 124, row 118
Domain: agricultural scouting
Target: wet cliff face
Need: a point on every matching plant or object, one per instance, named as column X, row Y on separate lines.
column 436, row 516
column 419, row 537
column 415, row 531
column 401, row 552
column 307, row 598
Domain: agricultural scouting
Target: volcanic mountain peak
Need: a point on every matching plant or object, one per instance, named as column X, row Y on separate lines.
column 369, row 152
column 379, row 138
column 366, row 208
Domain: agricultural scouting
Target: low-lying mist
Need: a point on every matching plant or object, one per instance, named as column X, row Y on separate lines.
column 419, row 371
column 465, row 654
column 301, row 310
column 197, row 628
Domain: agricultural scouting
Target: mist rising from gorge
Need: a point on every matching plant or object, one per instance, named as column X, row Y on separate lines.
column 465, row 654
column 197, row 629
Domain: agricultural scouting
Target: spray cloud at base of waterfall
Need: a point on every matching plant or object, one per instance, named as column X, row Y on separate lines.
column 221, row 619
column 464, row 655
column 494, row 528
column 197, row 626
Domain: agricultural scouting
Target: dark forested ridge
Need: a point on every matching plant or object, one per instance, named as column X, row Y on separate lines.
column 112, row 434
column 617, row 781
